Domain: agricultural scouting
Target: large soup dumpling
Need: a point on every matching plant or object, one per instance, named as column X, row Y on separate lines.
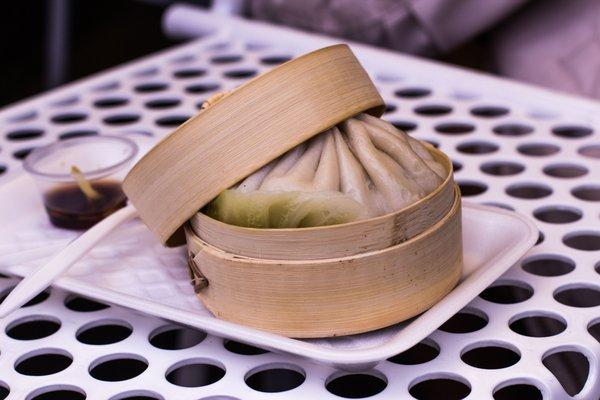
column 361, row 169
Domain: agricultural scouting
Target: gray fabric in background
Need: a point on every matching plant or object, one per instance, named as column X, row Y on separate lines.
column 553, row 43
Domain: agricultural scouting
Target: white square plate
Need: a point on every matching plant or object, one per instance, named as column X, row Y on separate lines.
column 133, row 270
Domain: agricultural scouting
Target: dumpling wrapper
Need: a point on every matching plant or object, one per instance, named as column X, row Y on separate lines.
column 362, row 169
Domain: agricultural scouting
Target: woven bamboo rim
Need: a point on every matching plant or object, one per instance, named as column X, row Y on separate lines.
column 335, row 296
column 334, row 240
column 245, row 130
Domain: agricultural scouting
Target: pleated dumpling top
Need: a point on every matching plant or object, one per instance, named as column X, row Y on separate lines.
column 362, row 168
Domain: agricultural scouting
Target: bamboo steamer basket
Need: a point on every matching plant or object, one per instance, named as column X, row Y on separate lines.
column 308, row 282
column 332, row 296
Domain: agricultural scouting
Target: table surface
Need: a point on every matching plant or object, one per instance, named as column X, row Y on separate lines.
column 513, row 146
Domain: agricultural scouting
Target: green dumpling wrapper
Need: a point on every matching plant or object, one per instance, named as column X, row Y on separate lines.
column 262, row 209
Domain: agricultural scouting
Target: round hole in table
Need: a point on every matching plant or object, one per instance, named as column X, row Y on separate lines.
column 507, row 292
column 490, row 355
column 587, row 192
column 82, row 304
column 275, row 377
column 240, row 73
column 557, row 214
column 195, row 372
column 243, row 348
column 454, row 128
column 540, row 239
column 517, row 391
column 77, row 133
column 22, row 153
column 150, row 87
column 200, row 88
column 121, row 119
column 389, row 108
column 464, row 95
column 456, row 166
column 594, row 330
column 275, row 60
column 512, row 129
column 106, row 86
column 571, row 369
column 578, row 295
column 565, row 170
column 420, row 353
column 138, row 395
column 471, row 188
column 65, row 101
column 489, row 111
column 162, row 103
column 4, row 390
column 433, row 110
column 110, row 102
column 39, row 298
column 106, row 331
column 502, row 168
column 23, row 116
column 537, row 324
column 430, row 388
column 57, row 392
column 189, row 73
column 173, row 337
column 356, row 385
column 45, row 361
column 33, row 327
column 172, row 121
column 226, row 59
column 183, row 59
column 590, row 151
column 538, row 149
column 68, row 118
column 548, row 265
column 24, row 134
column 477, row 147
column 145, row 72
column 220, row 46
column 412, row 92
column 583, row 240
column 118, row 367
column 256, row 45
column 529, row 190
column 405, row 126
column 465, row 321
column 572, row 131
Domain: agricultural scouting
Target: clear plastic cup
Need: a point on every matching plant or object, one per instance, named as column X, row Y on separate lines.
column 102, row 161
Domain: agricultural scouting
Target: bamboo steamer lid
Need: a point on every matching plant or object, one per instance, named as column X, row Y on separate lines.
column 248, row 128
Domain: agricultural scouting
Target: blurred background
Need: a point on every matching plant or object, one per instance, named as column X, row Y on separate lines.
column 553, row 43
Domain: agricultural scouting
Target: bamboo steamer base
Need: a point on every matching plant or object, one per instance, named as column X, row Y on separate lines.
column 333, row 296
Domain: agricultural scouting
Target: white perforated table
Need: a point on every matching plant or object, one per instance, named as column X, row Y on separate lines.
column 513, row 146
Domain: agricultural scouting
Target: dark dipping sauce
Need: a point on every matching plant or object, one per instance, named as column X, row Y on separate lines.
column 69, row 208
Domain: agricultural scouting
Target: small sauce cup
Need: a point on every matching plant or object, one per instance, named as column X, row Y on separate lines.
column 102, row 161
